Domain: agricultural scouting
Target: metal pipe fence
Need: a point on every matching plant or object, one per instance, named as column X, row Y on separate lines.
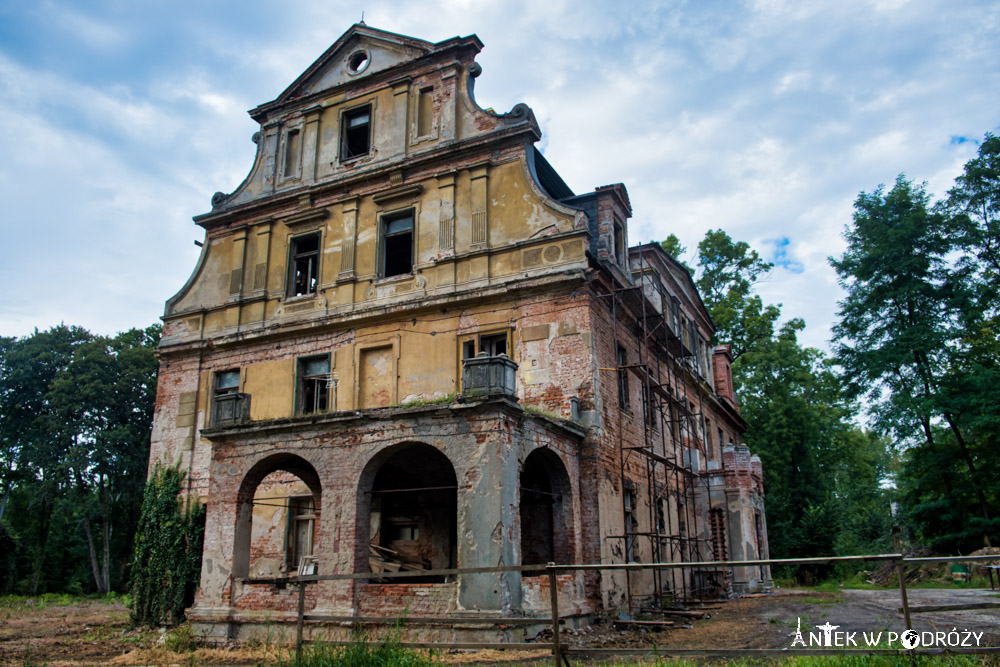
column 560, row 652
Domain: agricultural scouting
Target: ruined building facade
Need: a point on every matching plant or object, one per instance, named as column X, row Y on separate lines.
column 408, row 344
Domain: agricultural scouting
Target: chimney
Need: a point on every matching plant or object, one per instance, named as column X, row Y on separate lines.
column 722, row 360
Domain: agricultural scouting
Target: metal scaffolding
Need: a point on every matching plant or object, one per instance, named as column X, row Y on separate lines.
column 673, row 426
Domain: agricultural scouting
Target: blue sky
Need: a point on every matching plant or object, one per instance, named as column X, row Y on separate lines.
column 761, row 118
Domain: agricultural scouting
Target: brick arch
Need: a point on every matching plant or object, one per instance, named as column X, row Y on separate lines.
column 282, row 461
column 382, row 491
column 545, row 509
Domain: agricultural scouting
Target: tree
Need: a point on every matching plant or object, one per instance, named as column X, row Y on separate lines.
column 822, row 472
column 727, row 273
column 673, row 247
column 901, row 323
column 75, row 416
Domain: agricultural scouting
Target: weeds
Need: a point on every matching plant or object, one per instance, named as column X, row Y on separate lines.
column 180, row 639
column 361, row 652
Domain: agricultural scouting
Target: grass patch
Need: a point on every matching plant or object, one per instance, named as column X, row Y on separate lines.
column 832, row 599
column 532, row 410
column 421, row 402
column 361, row 652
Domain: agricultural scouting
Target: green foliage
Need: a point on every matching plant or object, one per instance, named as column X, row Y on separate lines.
column 361, row 652
column 673, row 247
column 168, row 545
column 823, row 475
column 180, row 639
column 75, row 415
column 917, row 342
column 727, row 272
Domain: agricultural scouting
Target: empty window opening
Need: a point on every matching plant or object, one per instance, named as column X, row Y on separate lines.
column 358, row 62
column 304, row 277
column 300, row 528
column 225, row 396
column 619, row 242
column 356, row 133
column 649, row 408
column 413, row 515
column 545, row 510
column 425, row 112
column 314, row 384
column 293, row 152
column 631, row 525
column 397, row 244
column 622, row 357
column 492, row 344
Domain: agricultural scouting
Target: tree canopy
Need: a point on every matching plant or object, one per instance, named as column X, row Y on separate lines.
column 76, row 411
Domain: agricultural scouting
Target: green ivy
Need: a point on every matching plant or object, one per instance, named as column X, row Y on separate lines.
column 167, row 561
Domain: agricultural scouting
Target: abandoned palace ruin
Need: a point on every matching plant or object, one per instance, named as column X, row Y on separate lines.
column 407, row 344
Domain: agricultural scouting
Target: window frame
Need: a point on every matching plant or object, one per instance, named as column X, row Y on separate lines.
column 621, row 357
column 346, row 117
column 300, row 385
column 293, row 515
column 384, row 237
column 313, row 256
column 219, row 391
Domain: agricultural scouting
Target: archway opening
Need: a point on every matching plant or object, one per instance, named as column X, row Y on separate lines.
column 411, row 513
column 277, row 518
column 545, row 510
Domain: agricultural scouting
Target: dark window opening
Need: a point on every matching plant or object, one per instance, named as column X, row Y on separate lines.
column 492, row 344
column 357, row 62
column 414, row 513
column 293, row 152
column 397, row 244
column 620, row 242
column 304, row 265
column 356, row 134
column 623, row 397
column 631, row 525
column 299, row 530
column 314, row 384
column 649, row 408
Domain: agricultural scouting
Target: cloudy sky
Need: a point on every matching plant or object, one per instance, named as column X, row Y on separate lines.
column 765, row 119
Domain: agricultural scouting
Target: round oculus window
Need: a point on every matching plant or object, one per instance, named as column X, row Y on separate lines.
column 358, row 62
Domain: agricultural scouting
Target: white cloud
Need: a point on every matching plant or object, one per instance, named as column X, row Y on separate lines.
column 762, row 118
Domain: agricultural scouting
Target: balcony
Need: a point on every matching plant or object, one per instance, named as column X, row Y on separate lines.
column 485, row 376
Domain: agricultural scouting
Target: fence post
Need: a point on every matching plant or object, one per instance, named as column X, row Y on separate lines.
column 554, row 598
column 902, row 594
column 300, row 622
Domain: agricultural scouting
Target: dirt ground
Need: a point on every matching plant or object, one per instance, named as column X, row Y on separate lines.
column 95, row 633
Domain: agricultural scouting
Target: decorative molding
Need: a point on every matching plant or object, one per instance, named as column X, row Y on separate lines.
column 479, row 233
column 305, row 218
column 407, row 192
